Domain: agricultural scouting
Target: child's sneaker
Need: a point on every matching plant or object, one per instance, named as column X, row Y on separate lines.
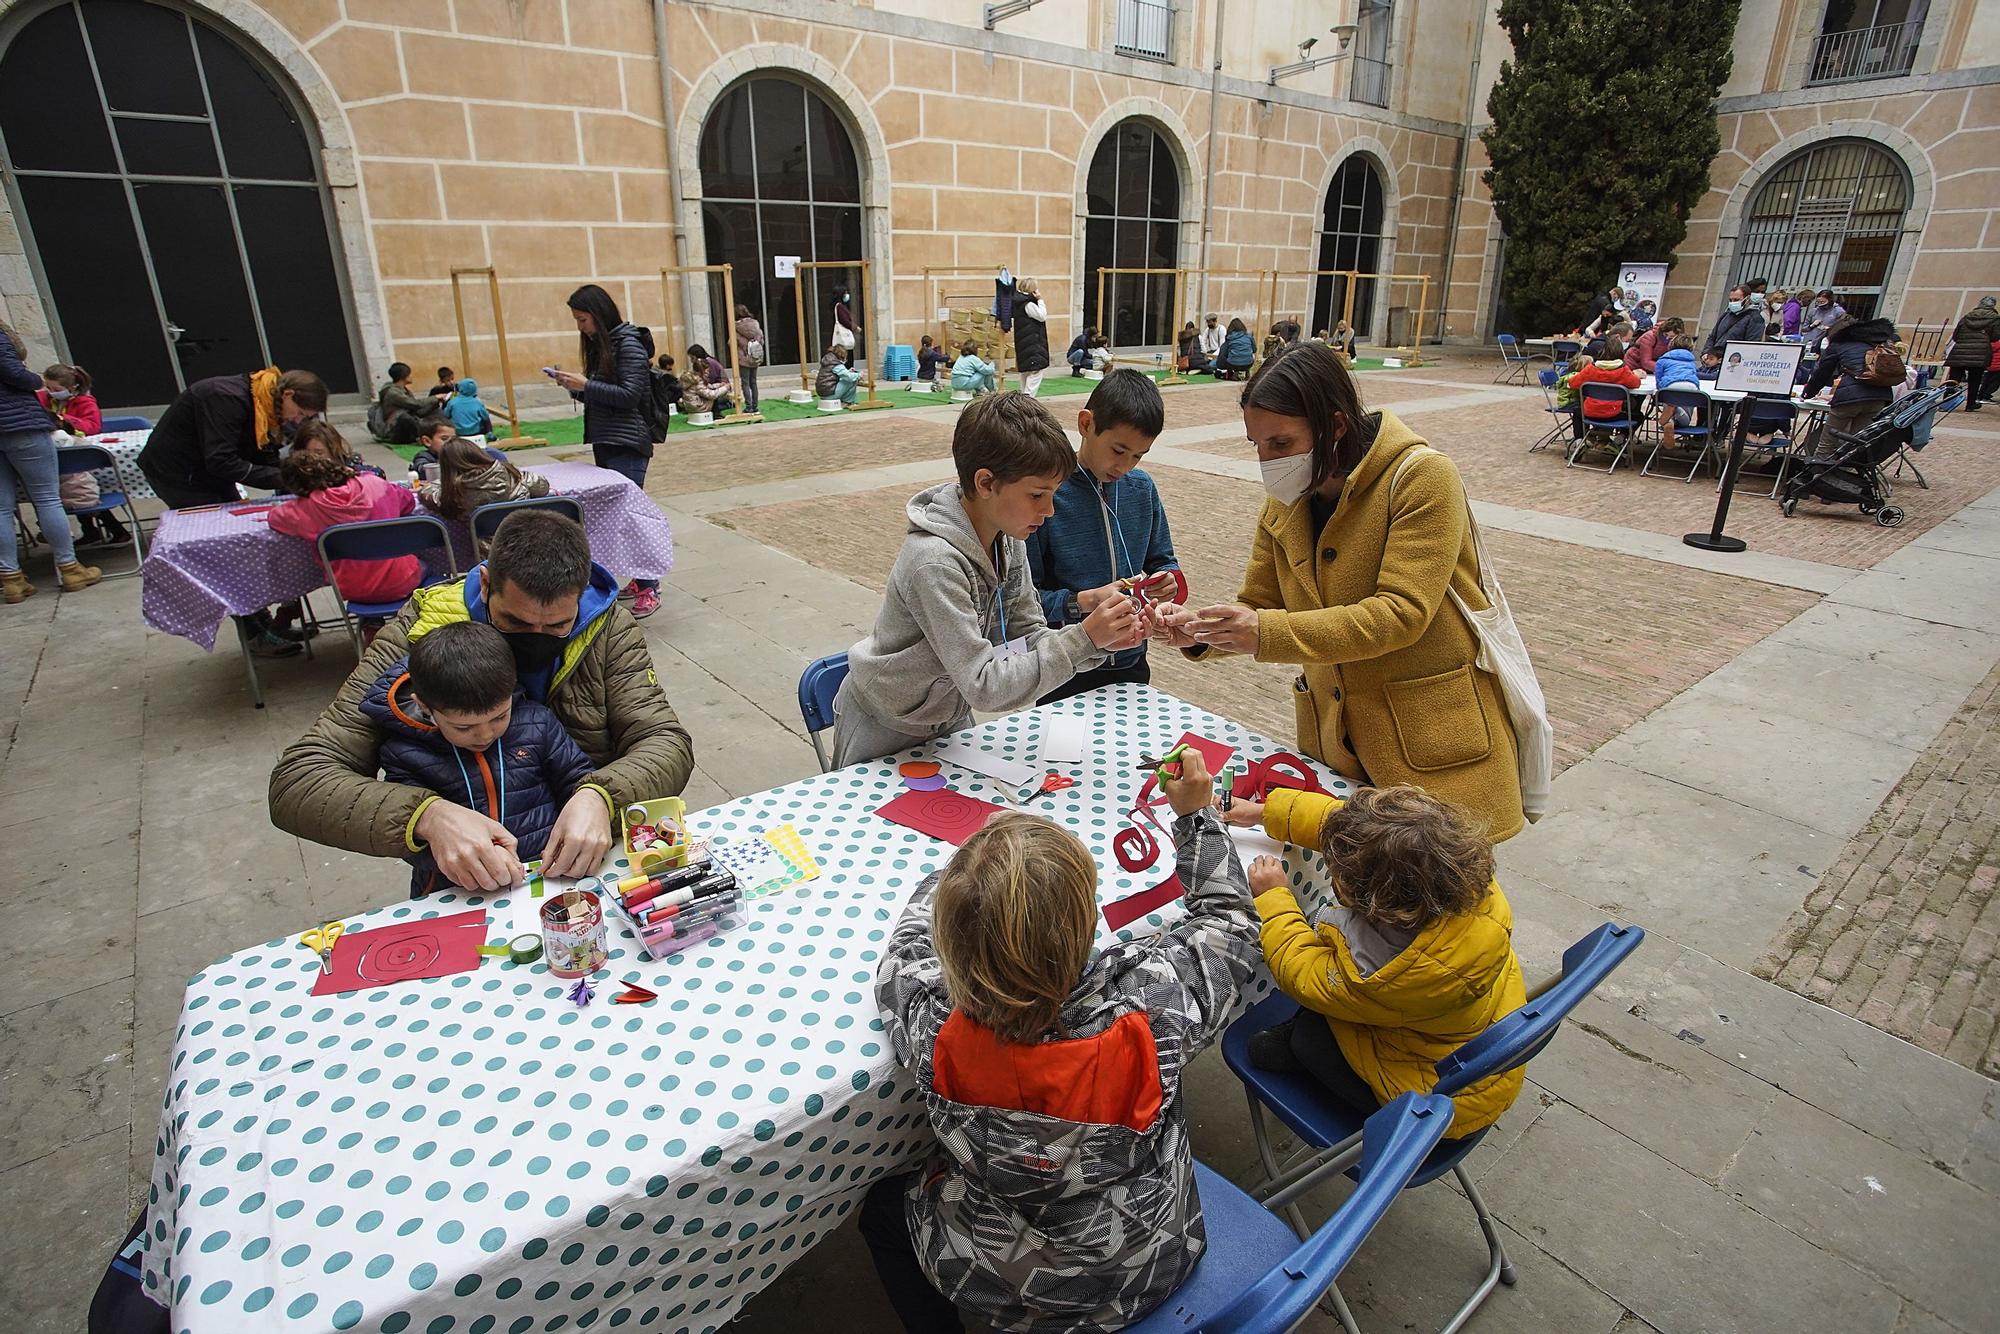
column 630, row 591
column 644, row 603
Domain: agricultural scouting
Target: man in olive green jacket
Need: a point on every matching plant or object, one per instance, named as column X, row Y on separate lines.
column 576, row 650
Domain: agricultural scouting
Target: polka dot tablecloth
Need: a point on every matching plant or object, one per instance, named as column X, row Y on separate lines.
column 124, row 447
column 475, row 1153
column 204, row 566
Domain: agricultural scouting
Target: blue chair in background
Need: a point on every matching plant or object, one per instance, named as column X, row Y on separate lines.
column 1564, row 350
column 486, row 519
column 1514, row 362
column 1779, row 421
column 381, row 539
column 1333, row 1131
column 1256, row 1277
column 1698, row 430
column 818, row 684
column 1621, row 425
column 91, row 458
column 126, row 424
column 1564, row 418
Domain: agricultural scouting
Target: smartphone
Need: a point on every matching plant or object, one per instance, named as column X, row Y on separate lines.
column 550, row 371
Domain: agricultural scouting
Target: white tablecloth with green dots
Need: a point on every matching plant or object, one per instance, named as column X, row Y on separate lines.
column 475, row 1153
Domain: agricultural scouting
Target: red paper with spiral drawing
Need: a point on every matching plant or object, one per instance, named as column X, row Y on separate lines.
column 404, row 952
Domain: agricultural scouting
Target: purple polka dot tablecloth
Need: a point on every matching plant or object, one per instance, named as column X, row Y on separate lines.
column 206, row 565
column 477, row 1153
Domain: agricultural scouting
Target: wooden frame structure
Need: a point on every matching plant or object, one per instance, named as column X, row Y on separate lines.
column 806, row 364
column 1354, row 277
column 728, row 272
column 932, row 273
column 1187, row 314
column 512, row 413
column 1180, row 287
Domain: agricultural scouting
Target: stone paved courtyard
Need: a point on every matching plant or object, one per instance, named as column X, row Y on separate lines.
column 1779, row 1115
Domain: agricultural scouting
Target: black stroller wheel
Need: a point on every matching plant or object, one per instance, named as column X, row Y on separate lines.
column 1790, row 506
column 1890, row 516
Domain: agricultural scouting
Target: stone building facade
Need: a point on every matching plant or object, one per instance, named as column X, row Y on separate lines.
column 564, row 141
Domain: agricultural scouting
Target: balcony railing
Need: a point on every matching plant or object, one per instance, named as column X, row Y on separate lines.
column 1864, row 53
column 1145, row 29
column 1371, row 81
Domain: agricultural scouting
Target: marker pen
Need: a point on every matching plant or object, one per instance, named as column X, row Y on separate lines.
column 696, row 913
column 679, row 875
column 667, row 884
column 674, row 946
column 652, row 914
column 715, row 884
column 682, row 928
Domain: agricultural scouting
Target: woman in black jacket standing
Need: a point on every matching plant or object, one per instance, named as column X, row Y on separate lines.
column 614, row 389
column 1031, row 335
column 1844, row 357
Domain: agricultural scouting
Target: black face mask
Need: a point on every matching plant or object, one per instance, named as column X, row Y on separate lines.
column 534, row 653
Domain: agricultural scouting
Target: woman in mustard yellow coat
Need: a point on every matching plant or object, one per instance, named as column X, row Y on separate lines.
column 1364, row 530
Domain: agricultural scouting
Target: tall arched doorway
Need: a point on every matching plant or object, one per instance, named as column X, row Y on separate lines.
column 779, row 177
column 1828, row 217
column 172, row 201
column 1350, row 237
column 1133, row 221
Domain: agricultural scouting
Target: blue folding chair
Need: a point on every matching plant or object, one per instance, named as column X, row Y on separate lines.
column 818, row 684
column 486, row 519
column 381, row 539
column 1331, row 1130
column 1697, row 429
column 1768, row 416
column 126, row 424
column 1514, row 362
column 1621, row 426
column 1564, row 418
column 1256, row 1277
column 91, row 458
column 1564, row 350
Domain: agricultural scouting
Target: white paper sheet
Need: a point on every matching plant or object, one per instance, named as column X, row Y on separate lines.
column 966, row 755
column 1254, row 843
column 1063, row 738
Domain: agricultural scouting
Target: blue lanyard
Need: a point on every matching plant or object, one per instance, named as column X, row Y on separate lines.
column 1000, row 588
column 472, row 799
column 1098, row 489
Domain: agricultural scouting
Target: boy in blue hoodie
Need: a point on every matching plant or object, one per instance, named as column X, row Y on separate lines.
column 467, row 414
column 1109, row 532
column 453, row 721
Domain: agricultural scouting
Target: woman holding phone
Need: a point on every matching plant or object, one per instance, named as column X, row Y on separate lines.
column 1363, row 532
column 613, row 388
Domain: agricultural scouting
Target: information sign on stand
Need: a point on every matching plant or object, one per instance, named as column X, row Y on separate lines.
column 1761, row 371
column 784, row 266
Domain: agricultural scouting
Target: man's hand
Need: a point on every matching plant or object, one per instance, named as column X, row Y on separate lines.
column 472, row 851
column 581, row 837
column 1115, row 625
column 1266, row 873
column 1194, row 789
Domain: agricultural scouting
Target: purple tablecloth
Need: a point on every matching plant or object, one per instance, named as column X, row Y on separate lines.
column 202, row 567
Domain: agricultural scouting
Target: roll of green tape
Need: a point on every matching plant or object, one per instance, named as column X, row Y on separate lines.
column 524, row 949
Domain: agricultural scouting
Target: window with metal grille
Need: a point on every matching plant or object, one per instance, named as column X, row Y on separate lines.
column 1371, row 53
column 1133, row 204
column 1350, row 238
column 1867, row 39
column 1145, row 28
column 1827, row 218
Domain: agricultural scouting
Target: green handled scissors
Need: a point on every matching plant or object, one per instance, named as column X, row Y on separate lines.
column 320, row 941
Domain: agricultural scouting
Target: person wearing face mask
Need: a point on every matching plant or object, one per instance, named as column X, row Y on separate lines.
column 1740, row 322
column 575, row 649
column 1820, row 315
column 1363, row 532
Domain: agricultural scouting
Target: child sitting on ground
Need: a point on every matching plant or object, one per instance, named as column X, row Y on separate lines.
column 452, row 721
column 469, row 477
column 468, row 415
column 929, row 357
column 65, row 392
column 972, row 373
column 329, row 492
column 1061, row 1195
column 960, row 626
column 835, row 379
column 1415, row 959
column 1099, row 352
column 704, row 384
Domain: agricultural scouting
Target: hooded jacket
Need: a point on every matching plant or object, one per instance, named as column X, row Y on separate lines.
column 1099, row 533
column 1237, row 350
column 1613, row 371
column 520, row 782
column 21, row 409
column 941, row 643
column 1745, row 326
column 602, row 689
column 483, row 486
column 614, row 412
column 1845, row 355
column 1676, row 366
column 970, row 372
column 1647, row 349
column 355, row 500
column 466, row 413
column 1396, row 1021
column 1061, row 1195
column 1973, row 336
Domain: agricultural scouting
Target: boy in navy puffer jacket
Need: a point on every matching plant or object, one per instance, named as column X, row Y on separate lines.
column 452, row 722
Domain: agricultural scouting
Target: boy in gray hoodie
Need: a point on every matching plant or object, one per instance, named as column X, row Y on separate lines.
column 961, row 626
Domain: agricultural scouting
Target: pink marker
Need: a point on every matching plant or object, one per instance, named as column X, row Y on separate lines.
column 661, row 948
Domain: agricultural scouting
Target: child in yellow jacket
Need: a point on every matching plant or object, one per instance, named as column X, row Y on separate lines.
column 1416, row 960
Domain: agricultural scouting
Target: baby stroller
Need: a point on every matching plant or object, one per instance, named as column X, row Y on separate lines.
column 1853, row 473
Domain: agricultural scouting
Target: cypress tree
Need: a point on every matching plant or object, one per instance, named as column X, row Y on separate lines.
column 1603, row 130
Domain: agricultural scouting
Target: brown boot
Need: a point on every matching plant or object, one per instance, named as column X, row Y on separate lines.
column 75, row 576
column 15, row 587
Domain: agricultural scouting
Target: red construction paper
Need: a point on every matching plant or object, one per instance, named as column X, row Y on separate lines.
column 404, row 952
column 1134, row 906
column 1282, row 769
column 950, row 816
column 1214, row 753
column 1136, row 849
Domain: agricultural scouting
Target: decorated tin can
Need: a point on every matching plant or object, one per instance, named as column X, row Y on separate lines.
column 573, row 933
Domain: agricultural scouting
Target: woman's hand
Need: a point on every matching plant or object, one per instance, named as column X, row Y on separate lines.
column 1229, row 627
column 1244, row 814
column 1172, row 625
column 1266, row 873
column 570, row 380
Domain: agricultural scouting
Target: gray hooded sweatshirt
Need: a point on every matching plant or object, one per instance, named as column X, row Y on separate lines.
column 938, row 648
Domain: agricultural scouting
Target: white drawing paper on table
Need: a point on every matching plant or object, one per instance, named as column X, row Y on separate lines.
column 966, row 755
column 1254, row 843
column 1064, row 736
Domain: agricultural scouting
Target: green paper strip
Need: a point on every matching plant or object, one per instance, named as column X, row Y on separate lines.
column 494, row 951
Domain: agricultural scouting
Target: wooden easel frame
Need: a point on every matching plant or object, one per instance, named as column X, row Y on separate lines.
column 669, row 305
column 1265, row 279
column 1172, row 376
column 932, row 273
column 1354, row 277
column 500, row 333
column 805, row 373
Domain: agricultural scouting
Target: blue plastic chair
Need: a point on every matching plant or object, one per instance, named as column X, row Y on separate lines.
column 1333, row 1129
column 486, row 519
column 1564, row 350
column 1564, row 418
column 134, row 423
column 1256, row 1277
column 381, row 539
column 1514, row 362
column 1621, row 426
column 818, row 684
column 91, row 458
column 1698, row 430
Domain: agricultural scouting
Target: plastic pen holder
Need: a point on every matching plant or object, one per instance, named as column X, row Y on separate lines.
column 665, row 947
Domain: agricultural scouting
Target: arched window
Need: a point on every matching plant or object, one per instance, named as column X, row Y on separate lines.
column 1350, row 237
column 1828, row 217
column 780, row 177
column 1133, row 207
column 172, row 199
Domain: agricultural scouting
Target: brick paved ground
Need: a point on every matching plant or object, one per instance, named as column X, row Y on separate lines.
column 1614, row 637
column 745, row 455
column 1902, row 932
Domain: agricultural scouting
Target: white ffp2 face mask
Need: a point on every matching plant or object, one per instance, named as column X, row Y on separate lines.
column 1286, row 479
